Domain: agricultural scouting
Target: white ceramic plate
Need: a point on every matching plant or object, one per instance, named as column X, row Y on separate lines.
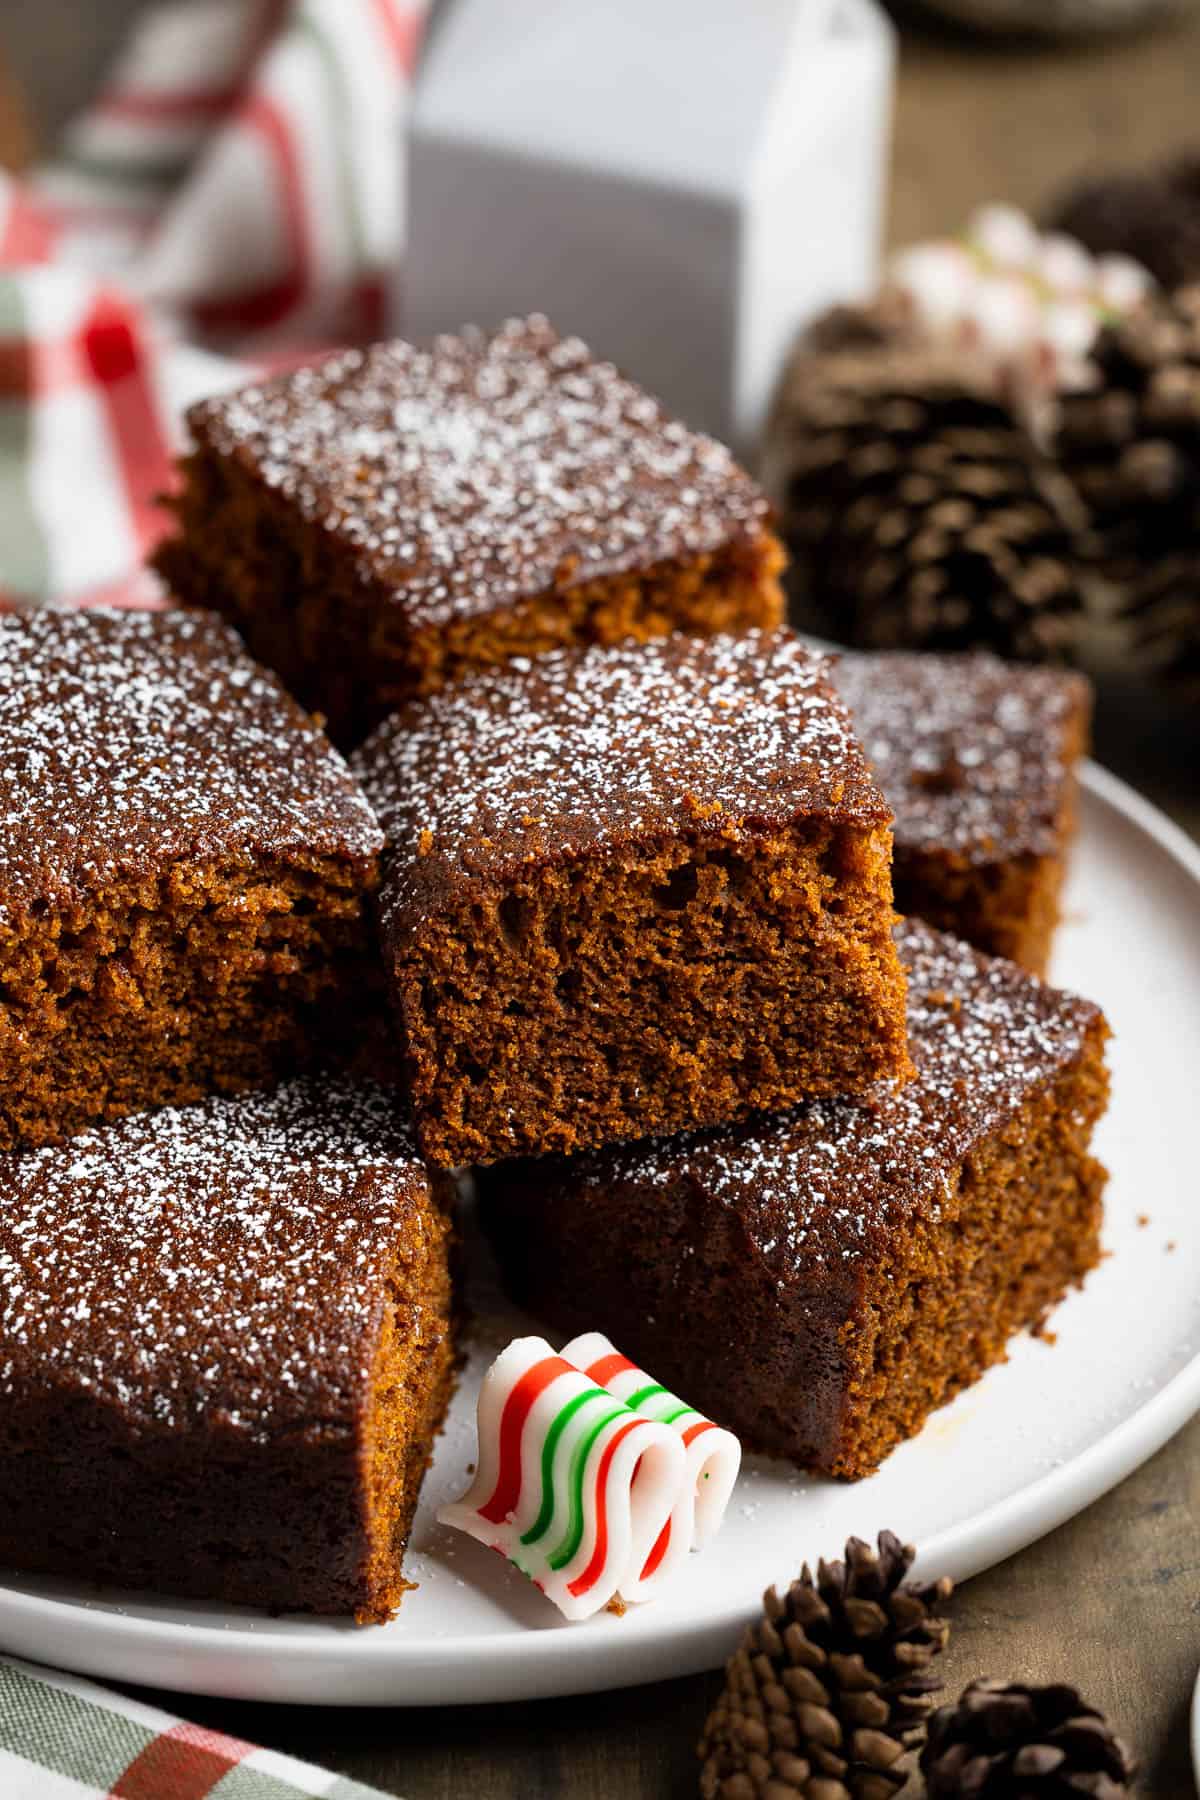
column 1031, row 1444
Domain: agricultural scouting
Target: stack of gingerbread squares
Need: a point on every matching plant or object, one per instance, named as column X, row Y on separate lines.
column 636, row 904
column 615, row 860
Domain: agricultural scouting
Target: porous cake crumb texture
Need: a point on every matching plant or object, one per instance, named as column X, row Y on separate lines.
column 819, row 1281
column 184, row 862
column 630, row 889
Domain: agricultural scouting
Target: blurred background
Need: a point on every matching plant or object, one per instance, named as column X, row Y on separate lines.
column 979, row 112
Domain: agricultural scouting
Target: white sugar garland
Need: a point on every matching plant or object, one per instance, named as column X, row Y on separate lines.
column 1028, row 304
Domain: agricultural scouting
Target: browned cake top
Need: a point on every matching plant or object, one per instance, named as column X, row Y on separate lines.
column 133, row 739
column 224, row 1262
column 582, row 750
column 972, row 753
column 485, row 467
column 823, row 1183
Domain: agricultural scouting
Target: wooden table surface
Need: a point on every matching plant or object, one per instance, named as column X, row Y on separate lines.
column 1110, row 1601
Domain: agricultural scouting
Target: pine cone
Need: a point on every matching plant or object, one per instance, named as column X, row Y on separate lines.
column 1132, row 449
column 1151, row 215
column 1163, row 619
column 1006, row 1741
column 918, row 509
column 1132, row 446
column 879, row 324
column 830, row 1691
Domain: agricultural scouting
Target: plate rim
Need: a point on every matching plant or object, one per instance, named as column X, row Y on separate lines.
column 531, row 1663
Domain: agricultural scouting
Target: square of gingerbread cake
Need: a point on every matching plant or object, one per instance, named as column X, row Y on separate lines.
column 632, row 889
column 378, row 524
column 977, row 759
column 226, row 1346
column 819, row 1282
column 184, row 865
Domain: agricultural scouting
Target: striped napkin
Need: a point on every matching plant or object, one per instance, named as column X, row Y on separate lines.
column 66, row 1739
column 231, row 200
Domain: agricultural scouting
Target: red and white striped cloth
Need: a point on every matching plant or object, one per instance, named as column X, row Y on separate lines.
column 232, row 198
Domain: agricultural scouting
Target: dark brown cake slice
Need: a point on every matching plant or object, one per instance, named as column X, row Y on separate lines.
column 380, row 524
column 977, row 758
column 629, row 890
column 184, row 862
column 819, row 1282
column 225, row 1349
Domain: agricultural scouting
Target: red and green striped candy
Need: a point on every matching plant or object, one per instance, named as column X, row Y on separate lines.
column 712, row 1457
column 572, row 1485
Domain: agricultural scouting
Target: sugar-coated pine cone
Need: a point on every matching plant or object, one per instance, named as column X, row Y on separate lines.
column 1006, row 1741
column 828, row 1695
column 918, row 510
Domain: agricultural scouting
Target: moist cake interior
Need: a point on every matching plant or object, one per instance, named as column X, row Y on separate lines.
column 630, row 890
column 411, row 1386
column 651, row 989
column 211, row 977
column 1018, row 1226
column 184, row 869
column 819, row 1280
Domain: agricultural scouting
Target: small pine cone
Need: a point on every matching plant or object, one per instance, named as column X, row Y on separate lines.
column 828, row 1695
column 1131, row 446
column 1006, row 1741
column 1163, row 619
column 1152, row 215
column 918, row 509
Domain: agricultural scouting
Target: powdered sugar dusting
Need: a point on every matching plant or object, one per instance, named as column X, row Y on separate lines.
column 818, row 1184
column 580, row 748
column 971, row 752
column 130, row 739
column 480, row 469
column 224, row 1261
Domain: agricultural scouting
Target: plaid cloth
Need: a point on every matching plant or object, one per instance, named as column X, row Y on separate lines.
column 236, row 189
column 66, row 1739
